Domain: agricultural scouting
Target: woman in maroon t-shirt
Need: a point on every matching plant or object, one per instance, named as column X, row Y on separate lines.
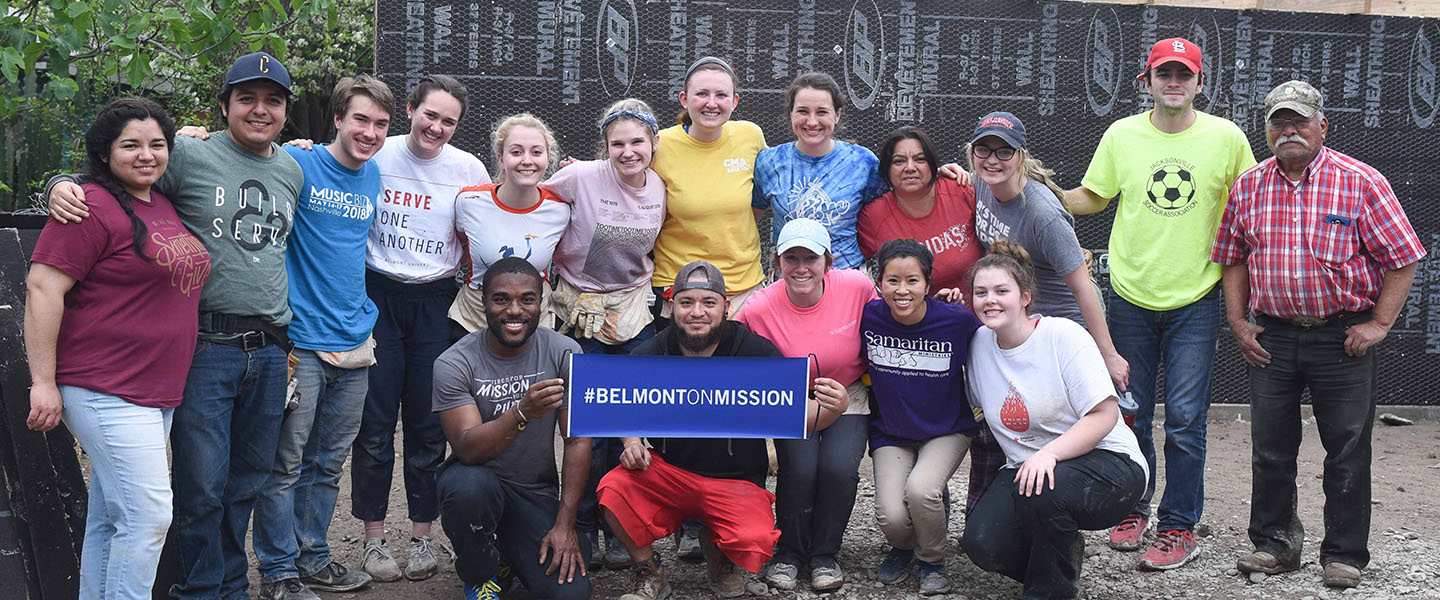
column 110, row 326
column 925, row 205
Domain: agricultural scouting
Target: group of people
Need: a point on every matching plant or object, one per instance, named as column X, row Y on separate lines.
column 946, row 311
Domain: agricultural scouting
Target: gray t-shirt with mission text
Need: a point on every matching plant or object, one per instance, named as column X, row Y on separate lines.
column 468, row 373
column 1037, row 221
column 242, row 207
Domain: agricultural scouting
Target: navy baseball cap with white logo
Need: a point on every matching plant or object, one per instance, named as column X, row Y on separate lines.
column 1002, row 125
column 258, row 65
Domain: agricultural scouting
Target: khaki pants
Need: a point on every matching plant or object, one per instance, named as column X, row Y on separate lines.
column 909, row 493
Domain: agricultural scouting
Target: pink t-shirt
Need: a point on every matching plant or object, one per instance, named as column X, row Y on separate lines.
column 130, row 324
column 830, row 330
column 613, row 226
column 948, row 232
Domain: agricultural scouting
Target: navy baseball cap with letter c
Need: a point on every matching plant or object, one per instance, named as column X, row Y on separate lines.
column 258, row 65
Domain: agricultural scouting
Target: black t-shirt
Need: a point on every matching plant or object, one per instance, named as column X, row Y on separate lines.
column 722, row 458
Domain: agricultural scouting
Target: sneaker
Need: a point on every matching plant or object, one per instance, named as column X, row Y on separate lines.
column 826, row 574
column 422, row 563
column 1171, row 550
column 597, row 558
column 687, row 542
column 649, row 582
column 286, row 589
column 336, row 578
column 781, row 575
column 489, row 590
column 933, row 580
column 1263, row 562
column 896, row 566
column 1128, row 535
column 616, row 556
column 378, row 562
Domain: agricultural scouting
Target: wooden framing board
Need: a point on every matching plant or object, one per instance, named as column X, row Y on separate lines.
column 1399, row 8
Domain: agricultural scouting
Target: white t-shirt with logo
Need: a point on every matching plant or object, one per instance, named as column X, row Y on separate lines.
column 413, row 238
column 1034, row 392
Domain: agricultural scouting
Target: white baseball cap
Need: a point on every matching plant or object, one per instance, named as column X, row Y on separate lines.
column 805, row 233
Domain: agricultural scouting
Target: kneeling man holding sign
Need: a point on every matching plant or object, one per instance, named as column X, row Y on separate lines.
column 719, row 481
column 498, row 392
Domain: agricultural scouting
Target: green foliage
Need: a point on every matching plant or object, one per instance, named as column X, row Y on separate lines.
column 61, row 59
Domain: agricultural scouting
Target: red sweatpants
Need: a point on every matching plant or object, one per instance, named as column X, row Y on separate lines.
column 652, row 503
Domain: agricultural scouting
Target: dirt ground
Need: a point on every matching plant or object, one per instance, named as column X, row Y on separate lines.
column 1404, row 540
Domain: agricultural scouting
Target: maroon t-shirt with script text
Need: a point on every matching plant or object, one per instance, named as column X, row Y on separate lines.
column 129, row 325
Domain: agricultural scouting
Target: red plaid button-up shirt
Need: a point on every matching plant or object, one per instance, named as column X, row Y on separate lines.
column 1318, row 246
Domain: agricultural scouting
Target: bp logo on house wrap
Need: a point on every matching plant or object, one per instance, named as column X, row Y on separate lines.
column 865, row 47
column 1103, row 45
column 1422, row 92
column 1170, row 189
column 617, row 45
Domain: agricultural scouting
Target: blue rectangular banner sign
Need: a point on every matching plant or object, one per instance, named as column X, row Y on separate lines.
column 674, row 396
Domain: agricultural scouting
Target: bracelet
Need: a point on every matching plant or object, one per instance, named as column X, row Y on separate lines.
column 521, row 414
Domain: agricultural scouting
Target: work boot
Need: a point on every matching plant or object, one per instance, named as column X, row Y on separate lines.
column 649, row 582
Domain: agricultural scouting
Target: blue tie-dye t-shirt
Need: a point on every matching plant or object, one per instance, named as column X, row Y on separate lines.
column 830, row 189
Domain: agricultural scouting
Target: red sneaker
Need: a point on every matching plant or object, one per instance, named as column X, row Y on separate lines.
column 1129, row 533
column 1171, row 550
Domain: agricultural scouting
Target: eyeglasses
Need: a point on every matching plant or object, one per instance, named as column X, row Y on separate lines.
column 1005, row 153
column 1280, row 124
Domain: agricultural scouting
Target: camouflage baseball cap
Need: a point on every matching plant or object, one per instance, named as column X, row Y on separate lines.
column 1295, row 95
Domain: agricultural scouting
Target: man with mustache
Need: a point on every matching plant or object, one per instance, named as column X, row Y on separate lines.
column 500, row 396
column 1171, row 168
column 721, row 482
column 1315, row 244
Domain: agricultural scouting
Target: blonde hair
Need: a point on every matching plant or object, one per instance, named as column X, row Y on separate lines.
column 502, row 132
column 1030, row 167
column 630, row 104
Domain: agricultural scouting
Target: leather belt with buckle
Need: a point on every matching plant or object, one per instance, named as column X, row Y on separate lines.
column 1304, row 322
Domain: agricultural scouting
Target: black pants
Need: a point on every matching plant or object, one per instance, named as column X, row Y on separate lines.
column 490, row 521
column 411, row 331
column 1342, row 393
column 1036, row 540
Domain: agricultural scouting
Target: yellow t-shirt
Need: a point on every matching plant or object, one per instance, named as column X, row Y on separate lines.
column 1172, row 188
column 707, row 204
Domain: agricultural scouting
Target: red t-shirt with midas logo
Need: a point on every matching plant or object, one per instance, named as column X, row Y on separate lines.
column 130, row 324
column 948, row 232
column 1042, row 387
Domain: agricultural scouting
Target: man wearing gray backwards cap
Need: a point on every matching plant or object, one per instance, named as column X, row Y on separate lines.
column 237, row 193
column 1315, row 244
column 719, row 481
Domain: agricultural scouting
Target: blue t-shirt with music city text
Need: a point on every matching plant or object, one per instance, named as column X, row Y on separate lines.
column 830, row 189
column 326, row 258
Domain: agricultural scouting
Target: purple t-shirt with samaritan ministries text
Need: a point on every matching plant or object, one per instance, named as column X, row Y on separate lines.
column 918, row 373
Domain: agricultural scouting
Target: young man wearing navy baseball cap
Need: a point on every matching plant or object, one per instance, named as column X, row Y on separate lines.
column 1171, row 168
column 237, row 192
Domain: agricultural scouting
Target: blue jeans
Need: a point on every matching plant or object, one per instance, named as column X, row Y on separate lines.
column 223, row 445
column 130, row 507
column 815, row 491
column 1184, row 340
column 292, row 518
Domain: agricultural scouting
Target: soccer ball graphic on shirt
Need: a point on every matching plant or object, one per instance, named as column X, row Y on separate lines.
column 1171, row 187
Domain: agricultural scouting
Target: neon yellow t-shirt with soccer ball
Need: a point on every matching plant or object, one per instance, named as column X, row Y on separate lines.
column 1172, row 190
column 707, row 204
